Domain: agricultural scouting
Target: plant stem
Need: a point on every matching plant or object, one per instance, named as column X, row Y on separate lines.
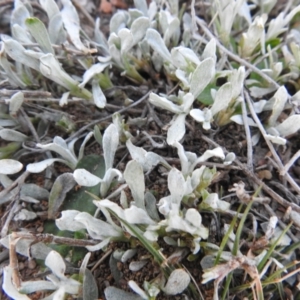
column 50, row 238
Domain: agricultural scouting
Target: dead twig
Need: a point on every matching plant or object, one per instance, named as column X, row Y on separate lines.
column 101, row 260
column 290, row 163
column 84, row 12
column 13, row 262
column 9, row 217
column 285, row 191
column 26, row 93
column 270, row 145
column 30, row 126
column 50, row 238
column 19, row 181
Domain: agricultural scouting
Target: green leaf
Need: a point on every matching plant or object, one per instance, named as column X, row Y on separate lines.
column 205, row 97
column 273, row 43
column 8, row 150
column 97, row 135
column 79, row 199
column 226, row 236
column 66, row 124
column 131, row 71
column 77, row 253
column 146, row 244
column 240, row 228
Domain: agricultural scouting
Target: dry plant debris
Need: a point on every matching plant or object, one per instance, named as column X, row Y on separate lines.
column 149, row 150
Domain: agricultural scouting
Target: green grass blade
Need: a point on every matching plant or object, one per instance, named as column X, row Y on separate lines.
column 240, row 228
column 271, row 249
column 227, row 284
column 138, row 233
column 226, row 236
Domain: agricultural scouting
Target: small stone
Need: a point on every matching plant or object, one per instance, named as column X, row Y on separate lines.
column 21, row 266
column 31, row 264
column 40, row 229
column 264, row 174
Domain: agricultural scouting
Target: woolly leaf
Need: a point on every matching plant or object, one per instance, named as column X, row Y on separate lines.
column 202, row 76
column 38, row 30
column 10, row 166
column 62, row 185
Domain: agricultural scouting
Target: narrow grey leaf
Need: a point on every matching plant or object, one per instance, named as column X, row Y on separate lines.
column 134, row 177
column 92, row 71
column 21, row 34
column 113, row 293
column 13, row 77
column 118, row 21
column 38, row 30
column 142, row 6
column 177, row 129
column 98, row 95
column 126, row 40
column 222, row 99
column 15, row 102
column 151, row 206
column 157, row 43
column 17, row 52
column 110, row 144
column 280, row 97
column 202, row 76
column 115, row 272
column 34, row 191
column 289, row 126
column 56, row 30
column 63, row 184
column 90, row 289
column 72, row 25
column 50, row 7
column 138, row 28
column 176, row 185
column 19, row 14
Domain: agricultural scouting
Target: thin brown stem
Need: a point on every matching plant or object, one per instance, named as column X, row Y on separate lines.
column 50, row 238
column 19, row 181
column 101, row 260
column 27, row 93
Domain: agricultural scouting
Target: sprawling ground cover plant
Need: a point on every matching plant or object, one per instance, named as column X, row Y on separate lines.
column 199, row 69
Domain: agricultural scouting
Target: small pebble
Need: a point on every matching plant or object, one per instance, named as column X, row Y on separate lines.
column 31, row 264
